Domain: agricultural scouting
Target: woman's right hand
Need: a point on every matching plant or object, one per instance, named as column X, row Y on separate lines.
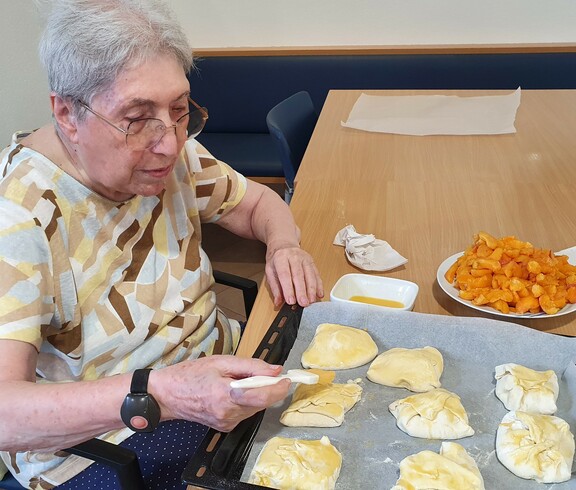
column 199, row 390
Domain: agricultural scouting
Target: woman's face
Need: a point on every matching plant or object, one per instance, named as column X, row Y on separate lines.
column 156, row 89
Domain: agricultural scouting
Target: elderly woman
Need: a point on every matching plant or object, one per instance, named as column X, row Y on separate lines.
column 105, row 285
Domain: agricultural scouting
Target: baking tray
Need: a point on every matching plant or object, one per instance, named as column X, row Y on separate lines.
column 220, row 459
column 371, row 444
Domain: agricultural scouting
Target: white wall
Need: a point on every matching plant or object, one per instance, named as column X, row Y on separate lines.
column 225, row 23
column 24, row 100
column 261, row 23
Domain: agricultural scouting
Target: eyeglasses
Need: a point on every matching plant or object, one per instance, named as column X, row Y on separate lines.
column 142, row 134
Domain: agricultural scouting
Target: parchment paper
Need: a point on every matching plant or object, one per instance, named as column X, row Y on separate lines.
column 421, row 115
column 371, row 444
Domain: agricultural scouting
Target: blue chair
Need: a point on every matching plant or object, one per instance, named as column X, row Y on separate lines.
column 291, row 123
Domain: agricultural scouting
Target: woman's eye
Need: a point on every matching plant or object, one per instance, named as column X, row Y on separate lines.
column 180, row 110
column 131, row 119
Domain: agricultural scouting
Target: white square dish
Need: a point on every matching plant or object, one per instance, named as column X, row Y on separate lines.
column 386, row 292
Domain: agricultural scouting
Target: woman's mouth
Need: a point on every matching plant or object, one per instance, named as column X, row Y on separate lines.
column 159, row 173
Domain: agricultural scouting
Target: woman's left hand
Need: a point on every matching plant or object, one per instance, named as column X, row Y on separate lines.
column 290, row 271
column 292, row 276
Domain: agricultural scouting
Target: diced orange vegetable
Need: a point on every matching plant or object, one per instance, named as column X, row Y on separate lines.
column 571, row 295
column 511, row 275
column 526, row 304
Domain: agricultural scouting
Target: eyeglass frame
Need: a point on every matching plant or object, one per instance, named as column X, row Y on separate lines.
column 202, row 110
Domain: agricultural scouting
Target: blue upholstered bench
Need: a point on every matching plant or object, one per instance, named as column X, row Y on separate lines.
column 240, row 90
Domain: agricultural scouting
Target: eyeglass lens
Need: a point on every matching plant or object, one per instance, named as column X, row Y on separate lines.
column 196, row 122
column 146, row 133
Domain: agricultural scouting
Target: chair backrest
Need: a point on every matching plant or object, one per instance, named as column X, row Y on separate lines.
column 291, row 123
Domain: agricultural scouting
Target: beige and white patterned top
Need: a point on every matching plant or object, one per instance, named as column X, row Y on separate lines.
column 100, row 287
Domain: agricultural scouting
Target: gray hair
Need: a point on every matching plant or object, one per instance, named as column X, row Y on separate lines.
column 87, row 43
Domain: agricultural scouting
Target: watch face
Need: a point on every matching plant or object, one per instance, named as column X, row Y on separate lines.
column 140, row 412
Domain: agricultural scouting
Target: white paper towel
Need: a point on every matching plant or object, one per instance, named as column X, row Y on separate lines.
column 368, row 252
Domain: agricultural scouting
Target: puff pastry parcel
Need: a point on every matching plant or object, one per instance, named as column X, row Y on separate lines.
column 320, row 405
column 297, row 464
column 436, row 414
column 452, row 469
column 535, row 446
column 339, row 347
column 414, row 369
column 527, row 390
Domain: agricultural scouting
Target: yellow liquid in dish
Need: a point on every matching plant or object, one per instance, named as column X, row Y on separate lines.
column 377, row 301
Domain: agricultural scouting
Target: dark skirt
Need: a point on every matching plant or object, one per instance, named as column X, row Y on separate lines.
column 162, row 454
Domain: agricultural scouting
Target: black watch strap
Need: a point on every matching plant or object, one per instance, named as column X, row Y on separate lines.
column 140, row 403
column 139, row 383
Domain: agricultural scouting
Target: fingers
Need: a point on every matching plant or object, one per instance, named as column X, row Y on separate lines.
column 275, row 287
column 298, row 280
column 239, row 367
column 311, row 287
column 293, row 277
column 244, row 403
column 199, row 390
column 260, row 398
column 256, row 397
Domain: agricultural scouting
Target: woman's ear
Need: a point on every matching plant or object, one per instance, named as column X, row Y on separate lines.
column 64, row 117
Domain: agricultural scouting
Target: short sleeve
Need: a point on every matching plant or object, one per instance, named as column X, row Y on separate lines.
column 219, row 188
column 26, row 289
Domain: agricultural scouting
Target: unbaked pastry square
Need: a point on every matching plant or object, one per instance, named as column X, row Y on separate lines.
column 535, row 446
column 297, row 464
column 436, row 414
column 416, row 370
column 522, row 388
column 339, row 347
column 321, row 405
column 452, row 469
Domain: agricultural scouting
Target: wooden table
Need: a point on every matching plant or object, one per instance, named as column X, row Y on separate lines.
column 428, row 195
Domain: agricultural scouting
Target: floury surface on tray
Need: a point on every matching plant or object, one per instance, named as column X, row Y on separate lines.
column 369, row 441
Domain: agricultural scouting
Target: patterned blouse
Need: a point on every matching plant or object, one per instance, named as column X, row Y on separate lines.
column 100, row 287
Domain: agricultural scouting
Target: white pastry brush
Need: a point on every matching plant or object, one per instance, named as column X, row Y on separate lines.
column 294, row 375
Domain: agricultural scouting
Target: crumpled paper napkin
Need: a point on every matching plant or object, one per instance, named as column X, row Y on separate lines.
column 368, row 252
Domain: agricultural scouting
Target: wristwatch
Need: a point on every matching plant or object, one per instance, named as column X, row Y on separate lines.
column 140, row 403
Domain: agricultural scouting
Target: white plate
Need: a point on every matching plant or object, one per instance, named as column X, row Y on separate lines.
column 451, row 291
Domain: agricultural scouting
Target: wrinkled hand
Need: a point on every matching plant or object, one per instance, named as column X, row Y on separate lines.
column 200, row 390
column 293, row 277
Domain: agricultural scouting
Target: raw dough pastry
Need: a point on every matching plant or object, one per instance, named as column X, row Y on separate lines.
column 436, row 414
column 321, row 405
column 452, row 469
column 297, row 464
column 536, row 447
column 414, row 369
column 339, row 347
column 522, row 388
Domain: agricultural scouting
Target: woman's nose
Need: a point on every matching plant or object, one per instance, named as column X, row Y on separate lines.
column 170, row 143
